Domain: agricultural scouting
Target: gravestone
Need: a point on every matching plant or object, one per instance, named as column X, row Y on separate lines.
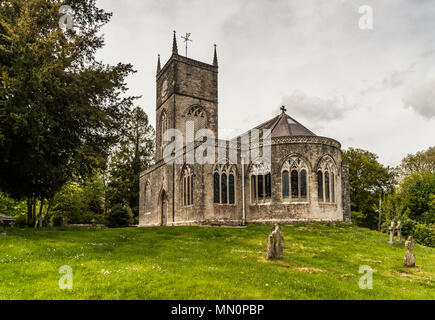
column 64, row 221
column 399, row 231
column 275, row 245
column 409, row 260
column 391, row 228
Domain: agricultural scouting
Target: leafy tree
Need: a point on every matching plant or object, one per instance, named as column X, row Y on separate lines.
column 119, row 217
column 80, row 202
column 368, row 181
column 133, row 155
column 417, row 194
column 11, row 207
column 60, row 108
column 421, row 161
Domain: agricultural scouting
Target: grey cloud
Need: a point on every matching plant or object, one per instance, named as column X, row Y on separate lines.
column 315, row 109
column 422, row 99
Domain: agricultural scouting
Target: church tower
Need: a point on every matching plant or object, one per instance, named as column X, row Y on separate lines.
column 187, row 93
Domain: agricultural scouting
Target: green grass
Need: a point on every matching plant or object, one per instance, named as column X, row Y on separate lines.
column 320, row 262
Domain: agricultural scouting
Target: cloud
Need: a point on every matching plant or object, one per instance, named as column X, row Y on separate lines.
column 316, row 109
column 422, row 98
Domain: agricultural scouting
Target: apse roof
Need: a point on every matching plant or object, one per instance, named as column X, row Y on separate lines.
column 283, row 126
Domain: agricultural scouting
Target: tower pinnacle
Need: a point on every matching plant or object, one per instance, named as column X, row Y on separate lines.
column 174, row 44
column 215, row 59
column 159, row 67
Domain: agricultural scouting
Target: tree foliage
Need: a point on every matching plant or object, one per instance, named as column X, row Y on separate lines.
column 421, row 161
column 417, row 194
column 119, row 217
column 368, row 181
column 60, row 108
column 80, row 202
column 132, row 156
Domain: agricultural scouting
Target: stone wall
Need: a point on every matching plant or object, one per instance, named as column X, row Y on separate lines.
column 166, row 178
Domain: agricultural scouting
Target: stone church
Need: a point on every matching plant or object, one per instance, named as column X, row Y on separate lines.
column 305, row 179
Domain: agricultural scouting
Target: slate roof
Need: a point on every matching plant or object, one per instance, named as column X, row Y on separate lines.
column 285, row 126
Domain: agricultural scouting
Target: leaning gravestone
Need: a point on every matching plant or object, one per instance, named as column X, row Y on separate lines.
column 391, row 228
column 409, row 260
column 399, row 231
column 275, row 244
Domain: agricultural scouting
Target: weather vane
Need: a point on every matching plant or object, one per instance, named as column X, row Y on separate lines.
column 186, row 40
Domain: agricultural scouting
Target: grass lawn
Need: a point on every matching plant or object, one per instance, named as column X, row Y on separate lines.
column 320, row 262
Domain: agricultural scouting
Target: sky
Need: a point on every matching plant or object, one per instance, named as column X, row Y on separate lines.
column 372, row 89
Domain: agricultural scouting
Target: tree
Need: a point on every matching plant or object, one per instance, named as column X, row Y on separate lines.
column 133, row 155
column 119, row 217
column 369, row 180
column 60, row 108
column 417, row 194
column 80, row 202
column 421, row 161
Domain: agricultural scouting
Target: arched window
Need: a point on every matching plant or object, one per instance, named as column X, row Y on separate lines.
column 261, row 183
column 187, row 186
column 294, row 182
column 253, row 188
column 197, row 117
column 216, row 188
column 326, row 180
column 332, row 187
column 303, row 184
column 147, row 197
column 224, row 184
column 320, row 185
column 285, row 185
column 231, row 188
column 327, row 187
column 164, row 128
column 224, row 190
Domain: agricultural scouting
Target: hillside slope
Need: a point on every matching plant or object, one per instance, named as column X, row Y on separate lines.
column 320, row 262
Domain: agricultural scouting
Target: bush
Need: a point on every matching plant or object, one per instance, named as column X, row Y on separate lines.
column 424, row 234
column 119, row 217
column 21, row 221
column 359, row 219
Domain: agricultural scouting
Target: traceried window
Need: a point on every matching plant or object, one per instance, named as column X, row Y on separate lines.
column 197, row 117
column 187, row 186
column 326, row 180
column 294, row 180
column 261, row 183
column 223, row 184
